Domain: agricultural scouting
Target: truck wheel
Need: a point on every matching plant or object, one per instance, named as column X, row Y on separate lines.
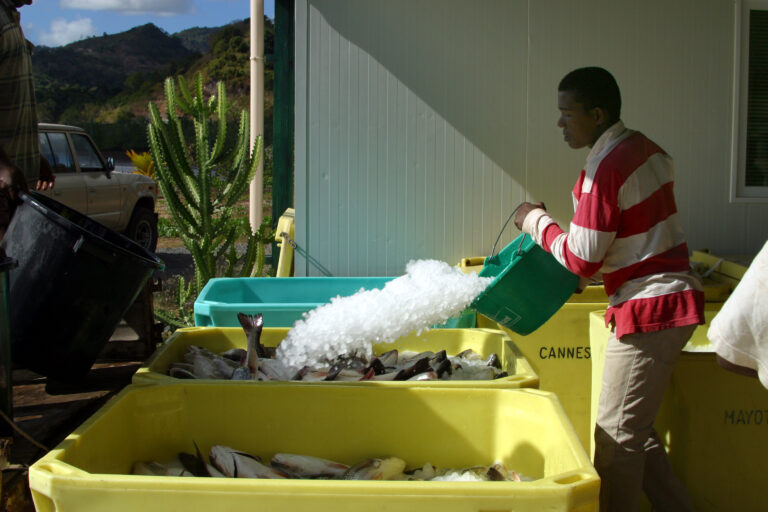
column 143, row 228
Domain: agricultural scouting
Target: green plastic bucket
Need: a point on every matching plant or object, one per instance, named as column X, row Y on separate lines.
column 530, row 285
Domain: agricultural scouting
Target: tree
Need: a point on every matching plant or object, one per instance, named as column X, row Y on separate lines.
column 202, row 181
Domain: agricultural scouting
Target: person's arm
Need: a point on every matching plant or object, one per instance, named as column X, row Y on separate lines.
column 583, row 249
column 741, row 370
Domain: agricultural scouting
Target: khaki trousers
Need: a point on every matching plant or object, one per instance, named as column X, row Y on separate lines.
column 629, row 456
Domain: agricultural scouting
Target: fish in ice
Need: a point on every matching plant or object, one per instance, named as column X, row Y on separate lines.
column 228, row 462
column 256, row 362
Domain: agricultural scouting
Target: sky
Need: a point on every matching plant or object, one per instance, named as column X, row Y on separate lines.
column 59, row 22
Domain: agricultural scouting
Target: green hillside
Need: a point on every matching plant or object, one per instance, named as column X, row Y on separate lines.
column 105, row 83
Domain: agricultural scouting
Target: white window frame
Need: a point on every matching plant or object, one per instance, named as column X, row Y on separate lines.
column 740, row 193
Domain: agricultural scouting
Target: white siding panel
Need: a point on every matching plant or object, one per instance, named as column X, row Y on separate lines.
column 402, row 161
column 421, row 124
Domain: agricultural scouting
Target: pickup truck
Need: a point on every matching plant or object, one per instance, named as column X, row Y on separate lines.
column 87, row 182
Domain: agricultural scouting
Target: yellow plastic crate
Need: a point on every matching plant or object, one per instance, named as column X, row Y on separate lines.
column 714, row 424
column 559, row 350
column 559, row 353
column 526, row 430
column 453, row 341
column 720, row 271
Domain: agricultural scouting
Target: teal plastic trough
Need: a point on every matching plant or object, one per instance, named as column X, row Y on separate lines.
column 283, row 300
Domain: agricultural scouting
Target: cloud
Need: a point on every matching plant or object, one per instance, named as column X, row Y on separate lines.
column 65, row 32
column 161, row 7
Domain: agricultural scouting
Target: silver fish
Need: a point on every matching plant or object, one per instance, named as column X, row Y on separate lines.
column 420, row 366
column 238, row 355
column 307, row 466
column 242, row 373
column 390, row 468
column 469, row 355
column 252, row 325
column 493, row 360
column 385, row 376
column 237, row 464
column 274, row 369
column 425, row 376
column 389, row 358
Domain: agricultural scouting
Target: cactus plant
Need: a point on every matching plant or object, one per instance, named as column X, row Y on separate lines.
column 202, row 181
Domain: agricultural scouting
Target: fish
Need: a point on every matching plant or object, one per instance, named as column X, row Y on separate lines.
column 193, row 464
column 305, row 466
column 238, row 355
column 205, row 368
column 469, row 355
column 390, row 468
column 181, row 373
column 420, row 366
column 426, row 472
column 389, row 358
column 236, row 464
column 430, row 375
column 252, row 325
column 334, row 371
column 370, row 374
column 376, row 366
column 438, row 357
column 349, row 375
column 196, row 464
column 494, row 361
column 315, row 376
column 443, row 367
column 241, row 373
column 385, row 376
column 274, row 369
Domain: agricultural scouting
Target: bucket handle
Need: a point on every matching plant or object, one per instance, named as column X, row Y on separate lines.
column 522, row 239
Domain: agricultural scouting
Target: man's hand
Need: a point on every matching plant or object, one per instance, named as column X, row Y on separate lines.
column 46, row 178
column 523, row 212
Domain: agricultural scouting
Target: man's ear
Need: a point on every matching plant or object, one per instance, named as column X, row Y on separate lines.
column 599, row 115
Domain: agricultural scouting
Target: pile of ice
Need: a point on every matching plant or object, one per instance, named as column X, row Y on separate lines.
column 430, row 292
column 457, row 476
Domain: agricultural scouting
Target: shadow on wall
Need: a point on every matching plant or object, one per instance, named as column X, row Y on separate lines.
column 454, row 56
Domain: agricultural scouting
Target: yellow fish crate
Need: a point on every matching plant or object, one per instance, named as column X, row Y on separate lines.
column 714, row 424
column 524, row 429
column 483, row 341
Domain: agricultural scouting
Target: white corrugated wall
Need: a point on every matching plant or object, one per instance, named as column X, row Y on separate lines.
column 421, row 124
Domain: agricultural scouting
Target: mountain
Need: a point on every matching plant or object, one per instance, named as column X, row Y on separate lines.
column 196, row 39
column 111, row 79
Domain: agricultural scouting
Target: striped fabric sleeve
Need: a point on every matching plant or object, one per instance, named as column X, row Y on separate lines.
column 592, row 231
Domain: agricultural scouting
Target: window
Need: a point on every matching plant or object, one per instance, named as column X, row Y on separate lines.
column 749, row 175
column 86, row 154
column 55, row 148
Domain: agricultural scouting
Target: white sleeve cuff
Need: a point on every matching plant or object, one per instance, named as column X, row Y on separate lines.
column 535, row 223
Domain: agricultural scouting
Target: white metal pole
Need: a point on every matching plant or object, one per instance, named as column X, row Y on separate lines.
column 255, row 211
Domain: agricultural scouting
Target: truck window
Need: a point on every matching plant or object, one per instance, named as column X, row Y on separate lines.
column 86, row 154
column 55, row 148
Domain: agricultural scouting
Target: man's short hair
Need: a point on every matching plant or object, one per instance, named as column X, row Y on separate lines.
column 594, row 87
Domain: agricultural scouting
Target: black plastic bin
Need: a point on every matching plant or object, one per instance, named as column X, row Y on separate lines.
column 74, row 281
column 6, row 383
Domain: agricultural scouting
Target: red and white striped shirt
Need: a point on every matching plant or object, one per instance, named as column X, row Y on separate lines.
column 626, row 227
